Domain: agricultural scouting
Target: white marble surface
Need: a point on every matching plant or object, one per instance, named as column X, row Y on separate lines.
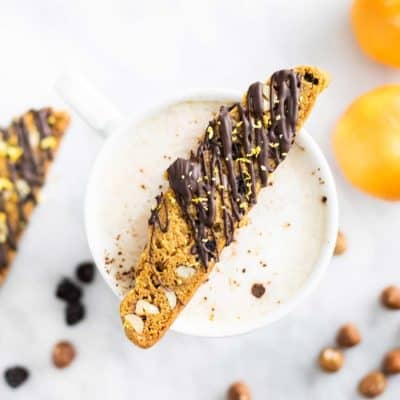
column 136, row 52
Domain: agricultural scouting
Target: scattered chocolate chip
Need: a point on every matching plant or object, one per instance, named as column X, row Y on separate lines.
column 63, row 354
column 324, row 199
column 211, row 245
column 68, row 291
column 258, row 290
column 16, row 376
column 74, row 313
column 85, row 271
column 238, row 391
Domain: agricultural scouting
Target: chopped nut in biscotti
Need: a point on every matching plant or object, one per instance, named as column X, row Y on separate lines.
column 372, row 385
column 348, row 336
column 135, row 322
column 171, row 297
column 341, row 244
column 390, row 297
column 63, row 354
column 238, row 391
column 143, row 307
column 185, row 272
column 391, row 362
column 331, row 360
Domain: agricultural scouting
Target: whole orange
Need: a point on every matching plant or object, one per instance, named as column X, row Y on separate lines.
column 376, row 24
column 366, row 142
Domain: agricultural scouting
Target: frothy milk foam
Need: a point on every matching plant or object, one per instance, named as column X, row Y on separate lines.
column 277, row 249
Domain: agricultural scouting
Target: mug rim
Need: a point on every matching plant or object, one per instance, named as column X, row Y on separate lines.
column 327, row 248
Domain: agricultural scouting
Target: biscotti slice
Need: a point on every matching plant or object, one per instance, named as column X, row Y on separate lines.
column 27, row 147
column 210, row 195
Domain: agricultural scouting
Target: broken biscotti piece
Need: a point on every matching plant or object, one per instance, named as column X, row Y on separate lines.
column 27, row 147
column 210, row 195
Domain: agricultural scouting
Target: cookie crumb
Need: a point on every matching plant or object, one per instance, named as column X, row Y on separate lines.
column 238, row 391
column 63, row 354
column 258, row 290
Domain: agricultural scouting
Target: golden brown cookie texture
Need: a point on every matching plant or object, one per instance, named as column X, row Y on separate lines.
column 27, row 148
column 210, row 195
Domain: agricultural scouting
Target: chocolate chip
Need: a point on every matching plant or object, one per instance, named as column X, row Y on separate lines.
column 68, row 291
column 16, row 376
column 74, row 313
column 211, row 245
column 85, row 272
column 258, row 290
column 324, row 199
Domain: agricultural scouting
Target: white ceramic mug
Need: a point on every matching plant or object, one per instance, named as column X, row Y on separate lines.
column 106, row 120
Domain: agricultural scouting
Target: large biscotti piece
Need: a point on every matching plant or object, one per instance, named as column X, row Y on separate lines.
column 27, row 148
column 210, row 195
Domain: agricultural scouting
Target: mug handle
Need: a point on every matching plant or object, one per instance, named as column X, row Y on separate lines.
column 91, row 105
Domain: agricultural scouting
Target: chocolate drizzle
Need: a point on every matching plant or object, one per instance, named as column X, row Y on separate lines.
column 241, row 147
column 24, row 163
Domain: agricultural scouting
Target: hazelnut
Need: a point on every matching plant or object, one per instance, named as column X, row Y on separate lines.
column 391, row 297
column 331, row 360
column 372, row 385
column 238, row 391
column 341, row 244
column 348, row 336
column 391, row 362
column 63, row 354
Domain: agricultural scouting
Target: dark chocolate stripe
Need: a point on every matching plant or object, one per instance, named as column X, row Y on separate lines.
column 233, row 156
